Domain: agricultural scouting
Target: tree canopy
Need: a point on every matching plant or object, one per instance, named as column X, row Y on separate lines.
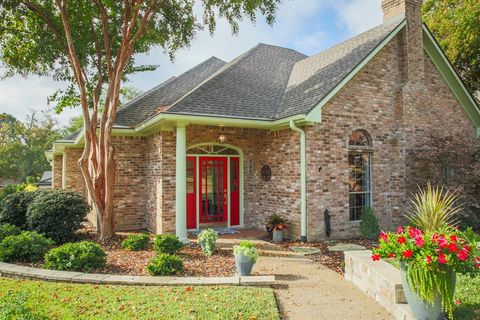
column 456, row 26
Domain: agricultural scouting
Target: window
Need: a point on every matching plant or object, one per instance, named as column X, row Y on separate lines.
column 212, row 150
column 359, row 167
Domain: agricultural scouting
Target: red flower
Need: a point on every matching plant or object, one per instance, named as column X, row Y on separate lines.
column 453, row 238
column 463, row 255
column 428, row 259
column 413, row 232
column 453, row 248
column 375, row 257
column 442, row 258
column 401, row 240
column 419, row 241
column 383, row 236
column 407, row 253
column 400, row 229
column 435, row 238
column 442, row 242
column 477, row 260
column 391, row 255
column 466, row 248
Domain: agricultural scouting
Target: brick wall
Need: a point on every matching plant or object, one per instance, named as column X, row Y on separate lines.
column 57, row 171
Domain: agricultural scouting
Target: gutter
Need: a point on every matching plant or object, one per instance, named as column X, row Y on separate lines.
column 303, row 181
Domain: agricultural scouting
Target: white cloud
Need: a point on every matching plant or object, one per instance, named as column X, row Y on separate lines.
column 359, row 15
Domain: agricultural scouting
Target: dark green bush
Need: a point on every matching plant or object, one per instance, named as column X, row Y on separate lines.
column 76, row 256
column 136, row 242
column 369, row 227
column 14, row 208
column 164, row 264
column 13, row 306
column 167, row 243
column 8, row 230
column 57, row 214
column 28, row 246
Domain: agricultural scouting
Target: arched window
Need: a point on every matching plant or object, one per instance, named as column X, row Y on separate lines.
column 212, row 149
column 359, row 167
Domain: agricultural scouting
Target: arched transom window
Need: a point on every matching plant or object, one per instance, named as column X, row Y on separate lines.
column 212, row 149
column 359, row 167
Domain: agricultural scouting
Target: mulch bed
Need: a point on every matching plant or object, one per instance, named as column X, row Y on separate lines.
column 195, row 262
column 334, row 260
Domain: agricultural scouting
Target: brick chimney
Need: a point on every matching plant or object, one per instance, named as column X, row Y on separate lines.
column 411, row 44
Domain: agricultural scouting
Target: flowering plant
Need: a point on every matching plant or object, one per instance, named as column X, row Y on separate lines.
column 430, row 257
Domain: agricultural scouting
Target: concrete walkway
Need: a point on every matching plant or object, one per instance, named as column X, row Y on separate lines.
column 307, row 290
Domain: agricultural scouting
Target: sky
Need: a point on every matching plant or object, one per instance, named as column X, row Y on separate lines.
column 308, row 26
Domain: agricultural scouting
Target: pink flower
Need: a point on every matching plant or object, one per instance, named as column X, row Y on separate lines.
column 463, row 255
column 400, row 229
column 401, row 240
column 428, row 259
column 458, row 302
column 435, row 238
column 375, row 257
column 383, row 236
column 413, row 232
column 453, row 248
column 442, row 242
column 419, row 241
column 407, row 253
column 442, row 258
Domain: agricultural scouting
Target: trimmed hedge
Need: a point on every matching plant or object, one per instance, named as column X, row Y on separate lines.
column 15, row 206
column 164, row 264
column 9, row 230
column 136, row 242
column 77, row 256
column 57, row 214
column 369, row 227
column 167, row 243
column 28, row 246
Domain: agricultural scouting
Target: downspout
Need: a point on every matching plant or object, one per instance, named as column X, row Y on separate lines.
column 303, row 181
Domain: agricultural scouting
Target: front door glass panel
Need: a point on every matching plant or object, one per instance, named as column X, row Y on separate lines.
column 213, row 191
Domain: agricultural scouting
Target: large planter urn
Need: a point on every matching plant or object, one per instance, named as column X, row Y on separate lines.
column 277, row 236
column 244, row 264
column 422, row 310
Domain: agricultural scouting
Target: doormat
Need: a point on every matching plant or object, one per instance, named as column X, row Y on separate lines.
column 219, row 231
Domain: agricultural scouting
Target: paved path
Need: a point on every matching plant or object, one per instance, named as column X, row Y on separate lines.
column 308, row 290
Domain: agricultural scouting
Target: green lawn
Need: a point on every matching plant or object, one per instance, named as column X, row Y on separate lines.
column 83, row 301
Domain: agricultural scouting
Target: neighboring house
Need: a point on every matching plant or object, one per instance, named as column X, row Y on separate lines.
column 45, row 181
column 275, row 131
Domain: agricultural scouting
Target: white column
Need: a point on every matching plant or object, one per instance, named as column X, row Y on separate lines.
column 181, row 185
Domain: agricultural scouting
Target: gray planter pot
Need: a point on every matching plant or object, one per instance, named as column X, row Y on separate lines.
column 244, row 265
column 420, row 309
column 277, row 236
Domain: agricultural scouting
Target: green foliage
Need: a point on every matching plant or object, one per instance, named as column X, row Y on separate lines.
column 164, row 264
column 15, row 206
column 369, row 227
column 136, row 242
column 13, row 306
column 455, row 25
column 432, row 208
column 58, row 214
column 8, row 230
column 207, row 239
column 247, row 249
column 167, row 243
column 76, row 256
column 276, row 222
column 28, row 246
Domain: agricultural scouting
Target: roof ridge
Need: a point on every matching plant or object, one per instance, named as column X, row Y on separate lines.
column 280, row 47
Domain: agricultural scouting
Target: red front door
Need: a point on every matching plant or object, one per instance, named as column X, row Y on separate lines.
column 213, row 189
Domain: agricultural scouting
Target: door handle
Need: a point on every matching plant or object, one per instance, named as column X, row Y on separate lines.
column 225, row 196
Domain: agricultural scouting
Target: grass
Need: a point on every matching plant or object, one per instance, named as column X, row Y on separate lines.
column 466, row 292
column 84, row 301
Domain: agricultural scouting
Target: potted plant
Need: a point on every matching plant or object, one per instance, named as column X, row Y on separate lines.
column 430, row 253
column 246, row 255
column 207, row 239
column 275, row 225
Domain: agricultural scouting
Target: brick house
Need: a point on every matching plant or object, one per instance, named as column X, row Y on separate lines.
column 275, row 131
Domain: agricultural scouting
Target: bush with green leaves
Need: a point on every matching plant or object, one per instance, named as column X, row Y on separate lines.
column 136, row 242
column 369, row 227
column 247, row 249
column 28, row 246
column 164, row 264
column 8, row 230
column 13, row 306
column 167, row 243
column 207, row 239
column 58, row 214
column 76, row 256
column 15, row 206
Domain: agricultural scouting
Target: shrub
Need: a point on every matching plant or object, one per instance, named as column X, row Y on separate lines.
column 167, row 243
column 8, row 230
column 13, row 306
column 136, row 242
column 369, row 227
column 28, row 246
column 247, row 249
column 207, row 239
column 164, row 264
column 57, row 214
column 77, row 256
column 14, row 209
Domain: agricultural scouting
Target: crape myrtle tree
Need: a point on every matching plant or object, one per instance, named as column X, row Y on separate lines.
column 92, row 44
